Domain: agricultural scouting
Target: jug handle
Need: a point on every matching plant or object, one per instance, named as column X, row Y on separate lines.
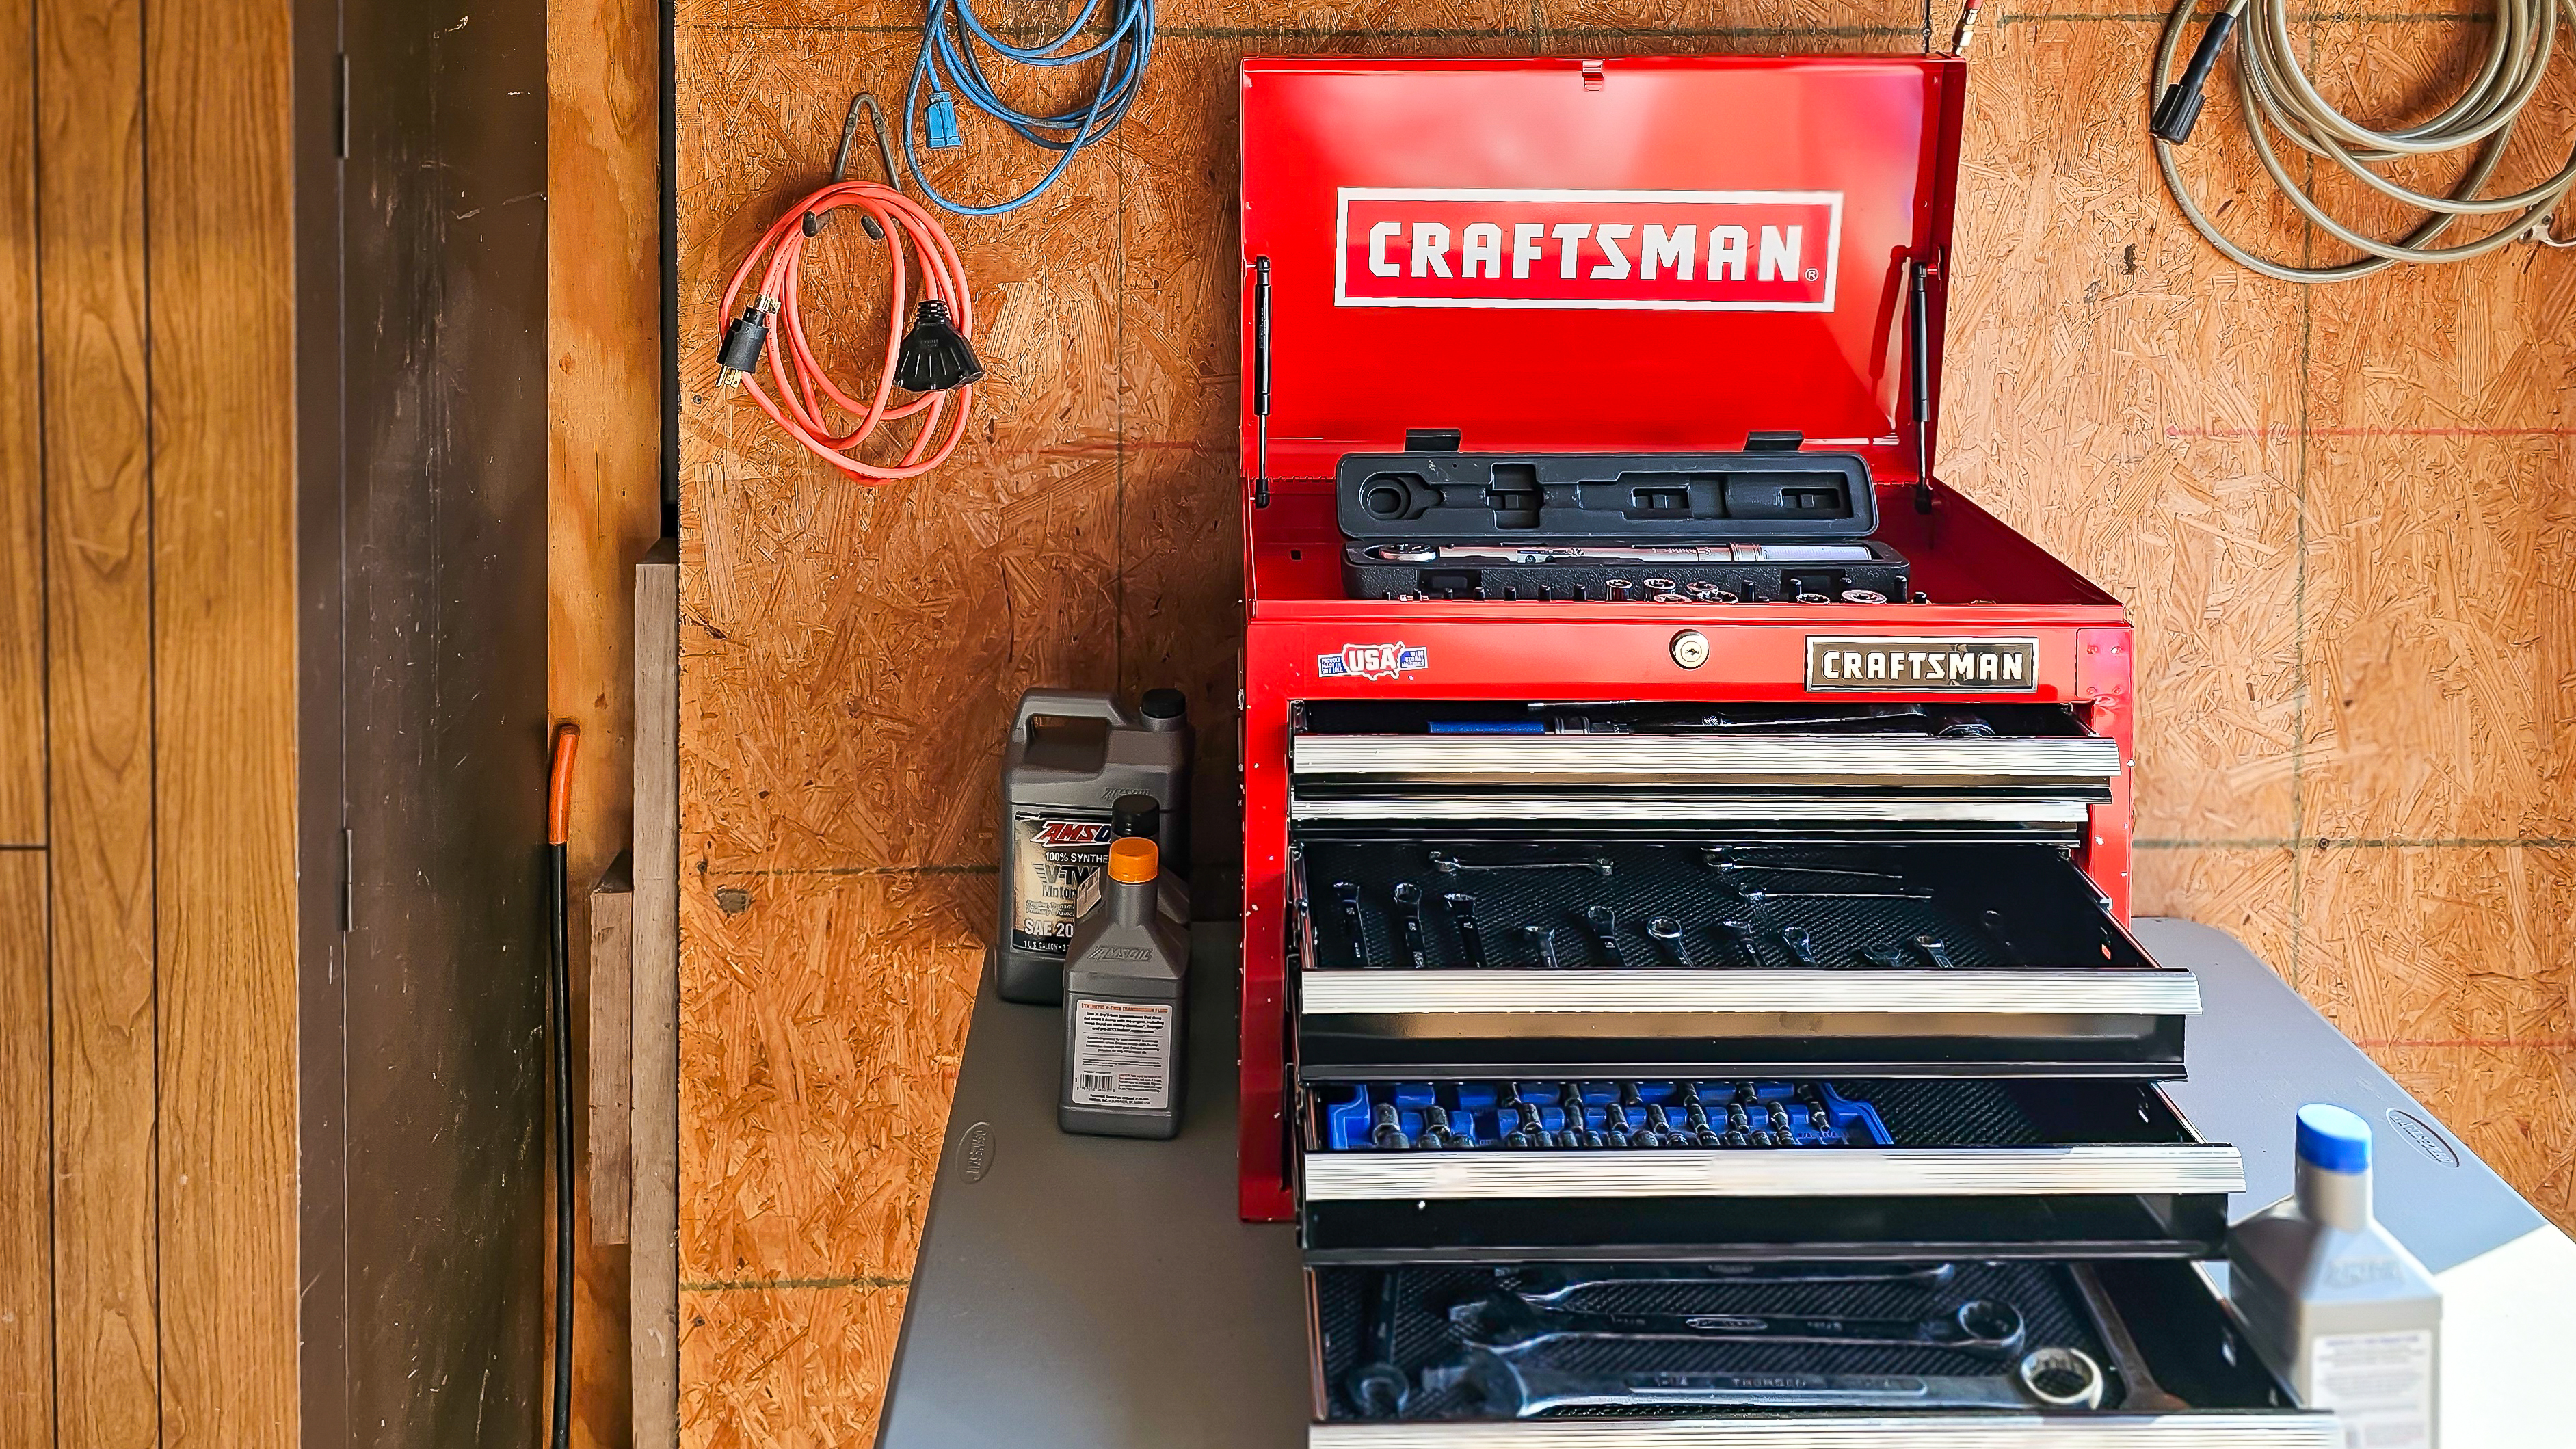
column 1070, row 704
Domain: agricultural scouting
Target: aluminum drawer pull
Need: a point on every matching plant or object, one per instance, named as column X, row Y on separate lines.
column 2090, row 1169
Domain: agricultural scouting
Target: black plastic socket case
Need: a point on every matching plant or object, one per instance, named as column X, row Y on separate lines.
column 1763, row 524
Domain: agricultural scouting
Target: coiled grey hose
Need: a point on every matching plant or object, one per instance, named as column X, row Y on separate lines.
column 2277, row 96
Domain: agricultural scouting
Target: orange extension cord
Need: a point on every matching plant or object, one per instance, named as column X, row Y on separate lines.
column 804, row 389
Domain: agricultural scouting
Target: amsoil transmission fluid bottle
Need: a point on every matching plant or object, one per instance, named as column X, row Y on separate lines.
column 1125, row 1011
column 1070, row 756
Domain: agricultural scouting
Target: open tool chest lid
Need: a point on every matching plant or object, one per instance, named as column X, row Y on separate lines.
column 1650, row 254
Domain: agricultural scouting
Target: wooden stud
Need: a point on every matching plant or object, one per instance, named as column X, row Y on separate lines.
column 653, row 1226
column 612, row 1052
column 604, row 510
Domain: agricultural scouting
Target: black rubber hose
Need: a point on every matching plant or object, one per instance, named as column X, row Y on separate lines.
column 559, row 1038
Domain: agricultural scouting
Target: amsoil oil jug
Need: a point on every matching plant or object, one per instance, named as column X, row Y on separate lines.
column 1070, row 756
column 2338, row 1308
column 1125, row 1011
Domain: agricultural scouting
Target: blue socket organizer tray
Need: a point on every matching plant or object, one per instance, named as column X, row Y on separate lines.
column 1474, row 1115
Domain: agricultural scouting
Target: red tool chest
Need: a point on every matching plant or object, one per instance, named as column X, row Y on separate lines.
column 1685, row 259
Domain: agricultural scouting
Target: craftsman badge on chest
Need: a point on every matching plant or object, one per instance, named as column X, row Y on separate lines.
column 1968, row 666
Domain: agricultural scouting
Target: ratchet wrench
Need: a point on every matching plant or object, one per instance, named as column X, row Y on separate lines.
column 2047, row 1378
column 1980, row 1327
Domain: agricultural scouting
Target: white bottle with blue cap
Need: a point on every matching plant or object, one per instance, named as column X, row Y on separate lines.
column 2338, row 1308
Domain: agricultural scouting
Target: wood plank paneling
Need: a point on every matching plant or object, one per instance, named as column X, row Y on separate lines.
column 22, row 484
column 99, row 640
column 26, row 1159
column 219, row 223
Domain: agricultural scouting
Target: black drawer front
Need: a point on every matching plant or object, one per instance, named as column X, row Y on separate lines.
column 1606, row 904
column 1471, row 954
column 1444, row 1349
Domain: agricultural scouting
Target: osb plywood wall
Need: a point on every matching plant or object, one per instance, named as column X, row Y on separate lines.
column 2338, row 515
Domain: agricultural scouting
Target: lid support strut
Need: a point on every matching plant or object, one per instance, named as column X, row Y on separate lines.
column 1918, row 341
column 1261, row 380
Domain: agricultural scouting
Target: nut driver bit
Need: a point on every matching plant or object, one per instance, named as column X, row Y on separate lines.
column 1435, row 1128
column 1546, row 1285
column 1526, row 1129
column 1605, row 930
column 1408, row 920
column 1526, row 1390
column 1578, row 1118
column 1985, row 1328
column 1378, row 1388
column 1462, row 913
column 1387, row 1128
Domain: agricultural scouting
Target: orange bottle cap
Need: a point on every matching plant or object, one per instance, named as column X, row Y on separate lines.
column 1133, row 860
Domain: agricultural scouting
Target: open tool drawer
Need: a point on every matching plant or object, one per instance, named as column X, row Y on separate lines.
column 1710, row 947
column 1990, row 771
column 1485, row 1169
column 1899, row 1354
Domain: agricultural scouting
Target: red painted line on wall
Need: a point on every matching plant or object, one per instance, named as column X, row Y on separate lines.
column 2552, row 1043
column 2292, row 432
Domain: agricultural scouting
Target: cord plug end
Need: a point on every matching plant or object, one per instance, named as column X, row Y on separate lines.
column 939, row 118
column 2178, row 110
column 935, row 356
column 745, row 338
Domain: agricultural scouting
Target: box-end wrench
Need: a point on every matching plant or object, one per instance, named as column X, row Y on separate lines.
column 1462, row 914
column 2045, row 1378
column 1545, row 937
column 1547, row 1285
column 1448, row 864
column 1666, row 933
column 1980, row 1328
column 1377, row 1387
column 1605, row 930
column 1349, row 893
column 1408, row 920
column 2139, row 1391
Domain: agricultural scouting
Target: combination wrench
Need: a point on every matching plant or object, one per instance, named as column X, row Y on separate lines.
column 2054, row 1378
column 1980, row 1328
column 1548, row 1285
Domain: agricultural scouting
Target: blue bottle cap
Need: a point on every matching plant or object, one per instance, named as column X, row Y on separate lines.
column 2333, row 1138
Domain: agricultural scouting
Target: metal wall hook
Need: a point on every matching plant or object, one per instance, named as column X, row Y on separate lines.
column 865, row 100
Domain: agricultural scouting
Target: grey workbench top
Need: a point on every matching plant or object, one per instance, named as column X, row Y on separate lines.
column 1097, row 1293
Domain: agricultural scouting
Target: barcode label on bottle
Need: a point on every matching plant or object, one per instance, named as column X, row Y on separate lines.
column 2379, row 1385
column 1122, row 1054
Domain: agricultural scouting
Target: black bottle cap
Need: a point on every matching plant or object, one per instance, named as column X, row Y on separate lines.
column 1131, row 815
column 1166, row 704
